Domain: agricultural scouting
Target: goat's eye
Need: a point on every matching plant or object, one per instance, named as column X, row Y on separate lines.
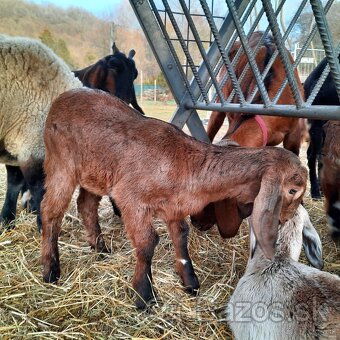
column 292, row 191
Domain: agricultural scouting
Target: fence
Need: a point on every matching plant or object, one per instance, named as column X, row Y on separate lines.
column 191, row 40
column 311, row 58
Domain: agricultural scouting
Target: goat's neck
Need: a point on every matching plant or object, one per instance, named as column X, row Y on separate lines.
column 288, row 247
column 220, row 175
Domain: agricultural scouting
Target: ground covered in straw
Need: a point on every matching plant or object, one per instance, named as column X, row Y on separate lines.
column 93, row 300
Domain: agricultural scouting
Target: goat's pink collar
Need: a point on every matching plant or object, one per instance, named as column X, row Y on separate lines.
column 264, row 130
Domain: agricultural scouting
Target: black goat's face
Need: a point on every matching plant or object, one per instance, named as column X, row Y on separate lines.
column 121, row 72
column 114, row 74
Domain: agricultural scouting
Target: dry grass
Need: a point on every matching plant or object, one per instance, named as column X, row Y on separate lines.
column 92, row 299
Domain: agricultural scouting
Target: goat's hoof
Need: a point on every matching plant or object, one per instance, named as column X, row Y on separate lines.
column 145, row 305
column 51, row 272
column 51, row 277
column 39, row 224
column 191, row 290
column 7, row 224
column 192, row 287
column 103, row 249
column 144, row 296
column 316, row 197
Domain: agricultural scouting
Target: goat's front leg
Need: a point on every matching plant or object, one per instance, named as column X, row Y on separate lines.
column 88, row 204
column 179, row 231
column 144, row 239
column 214, row 124
column 313, row 156
column 33, row 173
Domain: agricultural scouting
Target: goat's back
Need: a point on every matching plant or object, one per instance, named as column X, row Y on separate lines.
column 327, row 94
column 108, row 140
column 107, row 146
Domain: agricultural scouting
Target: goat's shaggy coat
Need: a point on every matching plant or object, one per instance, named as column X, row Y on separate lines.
column 152, row 169
column 31, row 77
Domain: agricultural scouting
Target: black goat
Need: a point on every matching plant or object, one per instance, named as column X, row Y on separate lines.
column 326, row 96
column 114, row 74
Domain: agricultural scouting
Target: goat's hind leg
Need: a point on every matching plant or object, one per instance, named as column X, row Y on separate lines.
column 179, row 232
column 313, row 158
column 88, row 204
column 34, row 176
column 144, row 239
column 214, row 124
column 332, row 205
column 59, row 190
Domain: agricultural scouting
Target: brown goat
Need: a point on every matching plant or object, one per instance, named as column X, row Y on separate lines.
column 330, row 176
column 255, row 131
column 250, row 130
column 153, row 169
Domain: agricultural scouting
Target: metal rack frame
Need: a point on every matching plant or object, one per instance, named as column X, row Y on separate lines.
column 163, row 29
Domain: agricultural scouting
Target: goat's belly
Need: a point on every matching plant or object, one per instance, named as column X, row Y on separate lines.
column 94, row 186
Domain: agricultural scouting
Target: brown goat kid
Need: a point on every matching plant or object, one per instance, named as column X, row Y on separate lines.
column 153, row 169
column 256, row 131
column 250, row 130
column 330, row 176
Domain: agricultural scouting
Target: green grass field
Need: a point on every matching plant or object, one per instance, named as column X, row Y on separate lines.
column 162, row 110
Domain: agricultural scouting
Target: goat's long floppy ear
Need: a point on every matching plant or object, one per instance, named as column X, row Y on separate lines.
column 131, row 54
column 228, row 217
column 311, row 242
column 266, row 214
column 204, row 219
column 81, row 73
column 252, row 238
column 94, row 76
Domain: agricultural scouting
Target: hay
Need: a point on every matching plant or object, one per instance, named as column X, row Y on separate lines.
column 93, row 300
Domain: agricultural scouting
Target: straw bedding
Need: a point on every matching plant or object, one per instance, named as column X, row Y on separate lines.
column 93, row 297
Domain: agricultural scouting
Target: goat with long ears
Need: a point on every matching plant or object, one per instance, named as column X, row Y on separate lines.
column 282, row 298
column 153, row 169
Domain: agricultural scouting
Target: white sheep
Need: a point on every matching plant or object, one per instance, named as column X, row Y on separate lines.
column 282, row 298
column 31, row 77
